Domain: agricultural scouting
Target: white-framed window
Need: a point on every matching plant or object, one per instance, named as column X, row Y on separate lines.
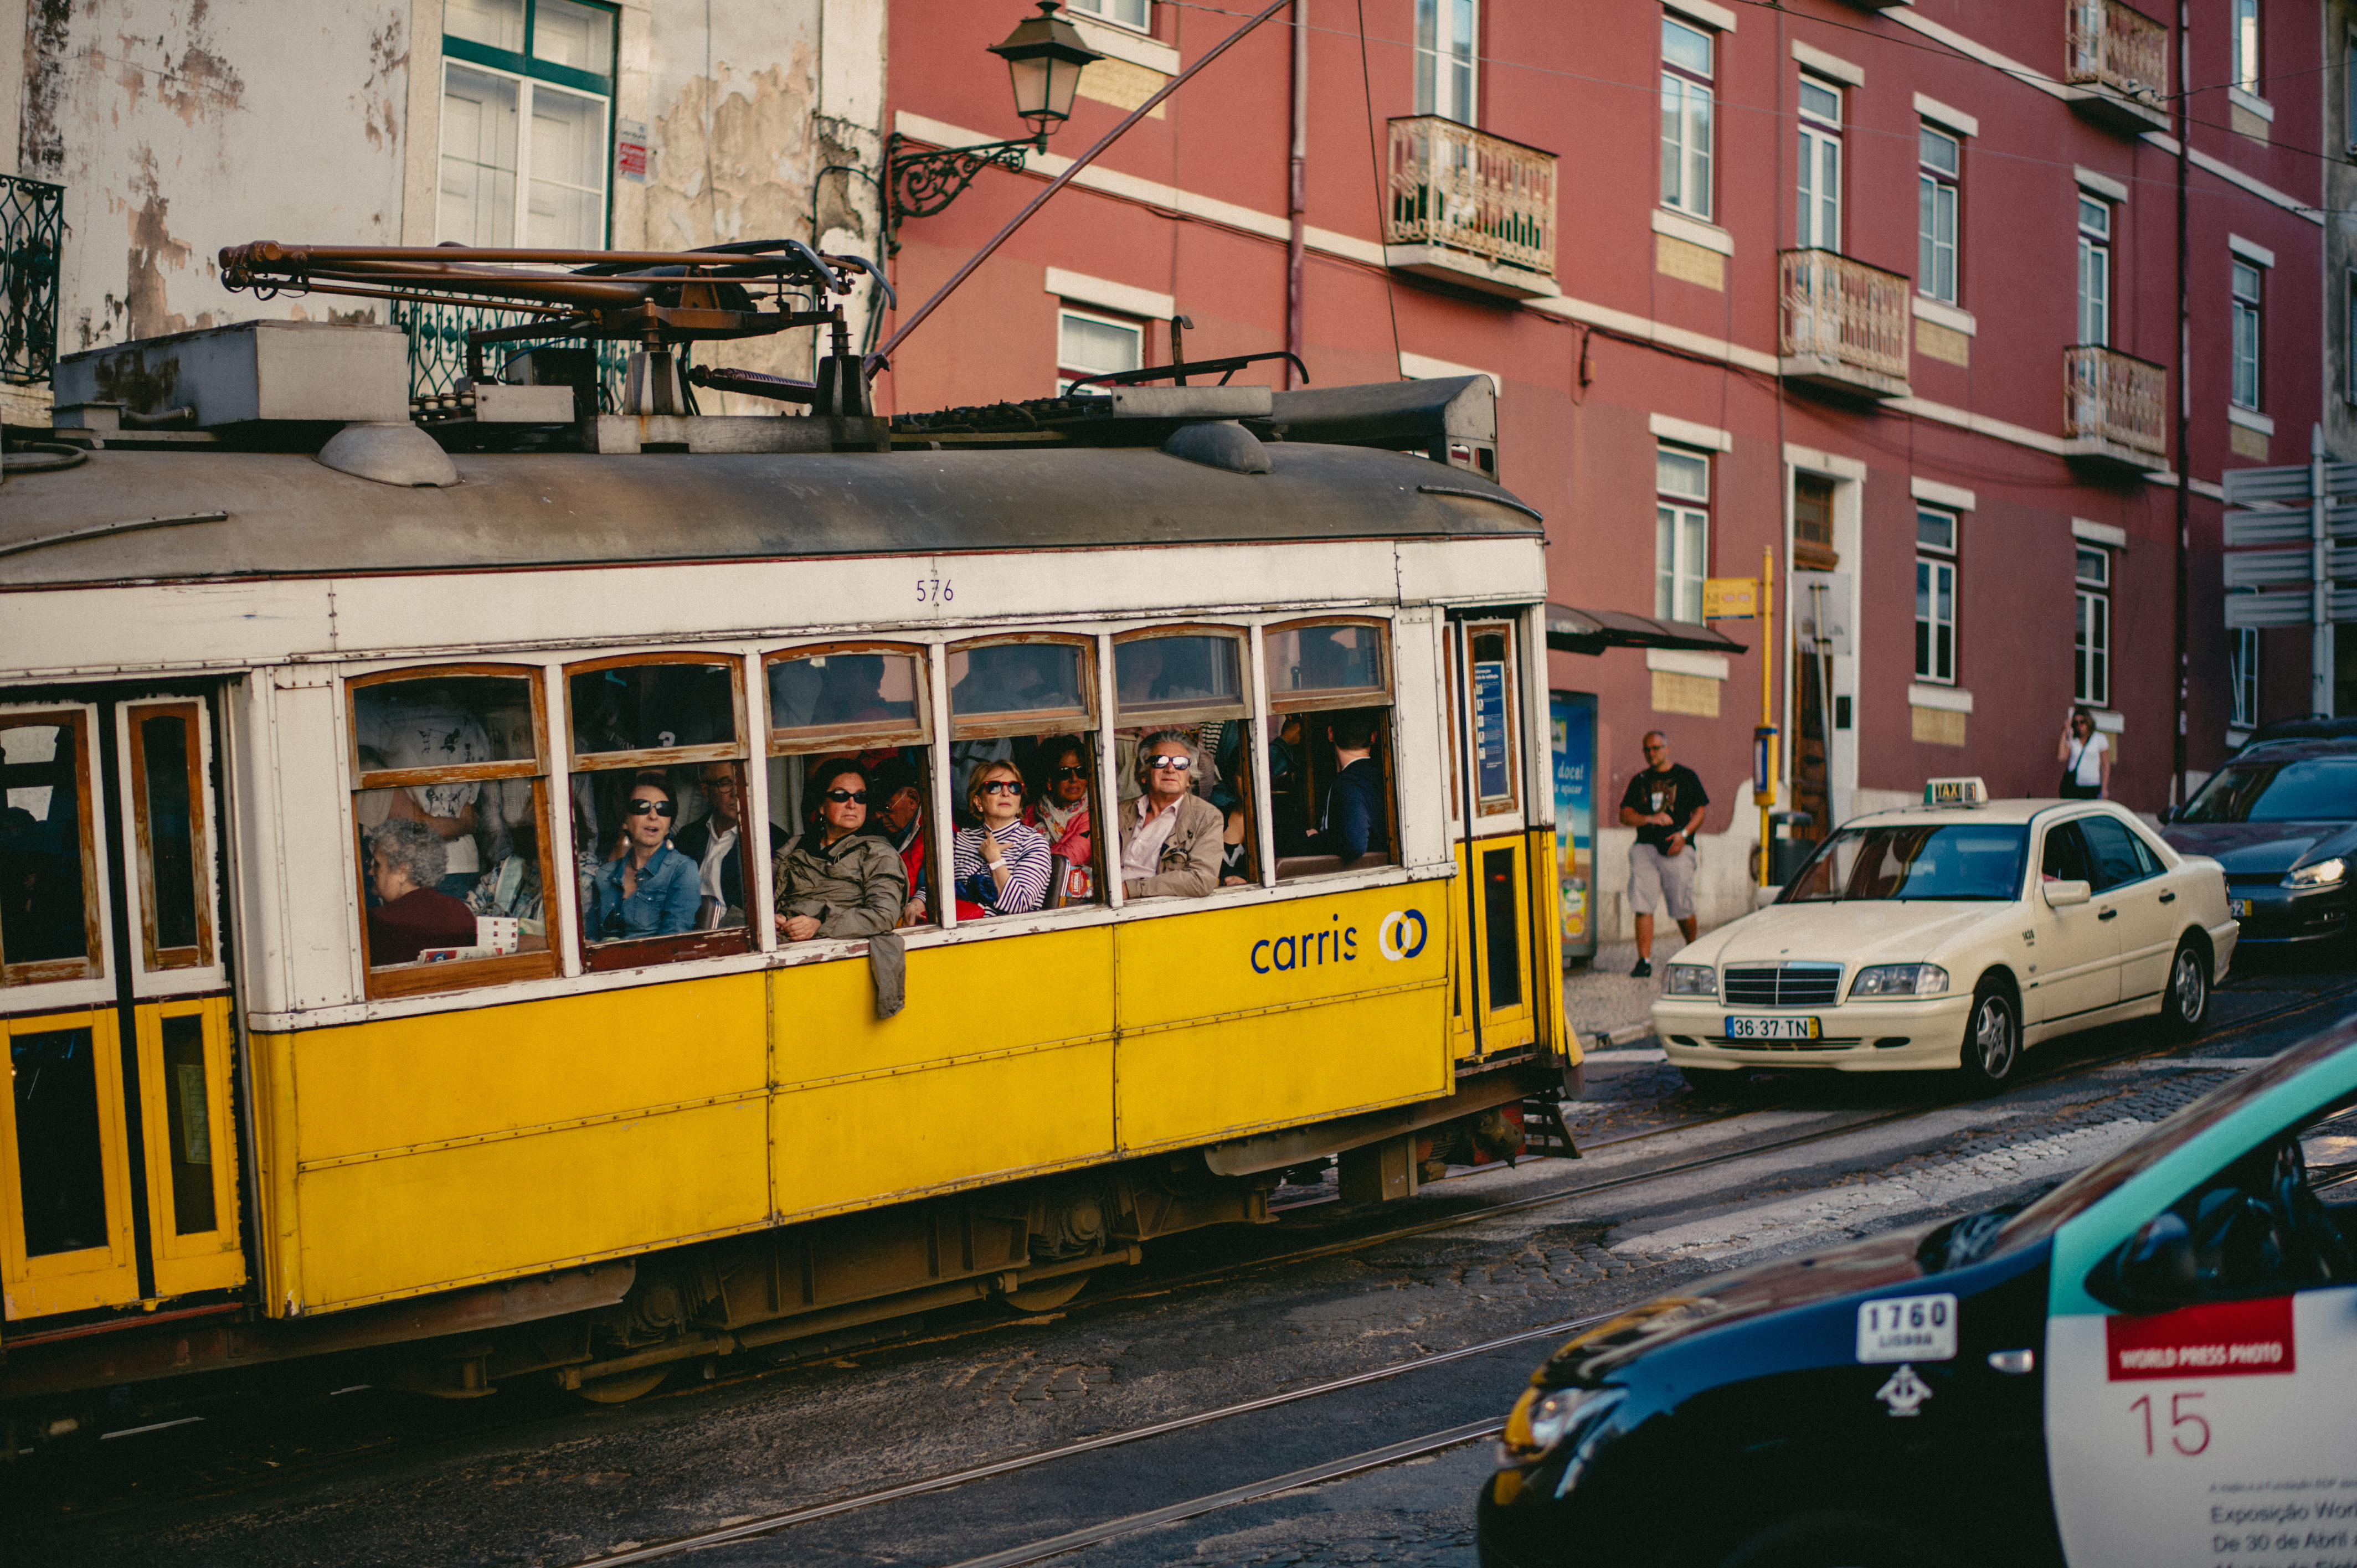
column 2248, row 285
column 1688, row 55
column 2243, row 674
column 1092, row 344
column 1940, row 168
column 2094, row 270
column 1138, row 13
column 1447, row 40
column 527, row 122
column 1681, row 532
column 1819, row 209
column 2091, row 636
column 1935, row 595
column 2243, row 32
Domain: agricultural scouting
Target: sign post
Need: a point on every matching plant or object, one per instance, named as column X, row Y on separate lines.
column 1747, row 599
column 2310, row 515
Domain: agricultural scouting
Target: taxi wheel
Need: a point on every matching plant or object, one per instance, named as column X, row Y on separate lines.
column 1833, row 1540
column 1992, row 1037
column 2187, row 1001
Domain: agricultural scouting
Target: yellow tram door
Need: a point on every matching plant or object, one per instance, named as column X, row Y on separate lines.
column 1497, row 991
column 118, row 1145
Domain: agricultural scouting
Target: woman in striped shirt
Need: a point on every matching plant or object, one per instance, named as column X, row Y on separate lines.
column 1001, row 867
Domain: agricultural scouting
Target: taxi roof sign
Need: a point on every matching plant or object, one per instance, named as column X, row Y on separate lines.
column 1954, row 792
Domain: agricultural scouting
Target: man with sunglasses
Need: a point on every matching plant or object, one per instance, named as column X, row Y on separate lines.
column 1171, row 837
column 650, row 889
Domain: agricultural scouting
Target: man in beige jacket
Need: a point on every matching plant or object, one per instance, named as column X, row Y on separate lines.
column 1171, row 837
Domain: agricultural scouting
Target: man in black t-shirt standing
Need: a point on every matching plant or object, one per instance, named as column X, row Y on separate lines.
column 1665, row 803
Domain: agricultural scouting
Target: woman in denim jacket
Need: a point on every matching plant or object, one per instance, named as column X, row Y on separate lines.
column 652, row 889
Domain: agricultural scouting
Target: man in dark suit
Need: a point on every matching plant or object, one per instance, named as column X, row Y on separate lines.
column 714, row 842
column 1357, row 819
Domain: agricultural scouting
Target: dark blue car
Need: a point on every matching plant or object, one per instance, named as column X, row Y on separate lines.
column 2152, row 1365
column 2282, row 819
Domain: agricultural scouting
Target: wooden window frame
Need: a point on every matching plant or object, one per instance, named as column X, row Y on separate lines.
column 806, row 742
column 1029, row 721
column 458, row 974
column 1331, row 696
column 157, row 959
column 80, row 720
column 1179, row 716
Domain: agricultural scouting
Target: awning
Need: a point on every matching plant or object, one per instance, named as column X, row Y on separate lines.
column 1593, row 631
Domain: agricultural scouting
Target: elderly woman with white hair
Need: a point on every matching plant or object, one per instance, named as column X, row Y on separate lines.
column 406, row 859
column 1170, row 836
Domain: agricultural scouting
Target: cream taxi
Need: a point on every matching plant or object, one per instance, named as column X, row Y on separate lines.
column 1953, row 935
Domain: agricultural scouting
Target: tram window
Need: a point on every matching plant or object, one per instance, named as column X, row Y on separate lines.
column 1189, row 683
column 870, row 704
column 189, row 1125
column 451, row 808
column 1029, row 705
column 48, row 891
column 1219, row 771
column 1330, row 773
column 60, row 1151
column 1491, row 714
column 822, row 698
column 898, row 811
column 1011, row 688
column 659, row 809
column 1326, row 665
column 175, row 870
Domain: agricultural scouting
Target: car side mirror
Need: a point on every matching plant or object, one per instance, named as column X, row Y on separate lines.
column 2061, row 895
column 2152, row 1271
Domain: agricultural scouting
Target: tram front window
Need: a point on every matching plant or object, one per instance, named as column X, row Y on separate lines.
column 659, row 812
column 1330, row 761
column 1189, row 685
column 49, row 914
column 1023, row 783
column 857, row 705
column 451, row 811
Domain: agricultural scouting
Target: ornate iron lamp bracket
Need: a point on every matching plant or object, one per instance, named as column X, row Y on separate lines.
column 918, row 185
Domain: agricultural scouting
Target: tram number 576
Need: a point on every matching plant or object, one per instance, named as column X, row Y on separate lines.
column 934, row 591
column 2189, row 1429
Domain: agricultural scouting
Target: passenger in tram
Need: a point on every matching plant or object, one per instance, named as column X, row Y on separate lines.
column 1059, row 812
column 1171, row 837
column 407, row 859
column 835, row 879
column 714, row 842
column 897, row 806
column 433, row 730
column 512, row 889
column 1000, row 866
column 1357, row 816
column 650, row 889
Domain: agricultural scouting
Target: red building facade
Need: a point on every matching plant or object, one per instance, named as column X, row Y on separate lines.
column 1894, row 293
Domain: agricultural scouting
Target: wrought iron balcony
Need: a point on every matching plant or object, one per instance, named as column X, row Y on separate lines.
column 32, row 233
column 1842, row 325
column 2118, row 58
column 2115, row 412
column 1471, row 208
column 438, row 331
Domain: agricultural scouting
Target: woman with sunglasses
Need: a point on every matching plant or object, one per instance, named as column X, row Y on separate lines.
column 835, row 879
column 650, row 889
column 1060, row 811
column 1001, row 866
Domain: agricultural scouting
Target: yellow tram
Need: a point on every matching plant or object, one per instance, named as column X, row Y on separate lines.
column 249, row 1122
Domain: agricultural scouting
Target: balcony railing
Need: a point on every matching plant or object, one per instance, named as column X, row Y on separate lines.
column 2114, row 47
column 1842, row 322
column 2115, row 407
column 438, row 332
column 32, row 233
column 1458, row 189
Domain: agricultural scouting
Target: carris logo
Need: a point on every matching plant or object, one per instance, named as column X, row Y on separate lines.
column 1400, row 934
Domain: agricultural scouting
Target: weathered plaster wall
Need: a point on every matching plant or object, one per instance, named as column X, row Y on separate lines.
column 180, row 126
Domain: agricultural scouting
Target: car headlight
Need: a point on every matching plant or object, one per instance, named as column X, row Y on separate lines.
column 2323, row 874
column 1543, row 1419
column 1900, row 980
column 1692, row 980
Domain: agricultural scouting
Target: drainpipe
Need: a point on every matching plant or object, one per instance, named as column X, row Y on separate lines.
column 1298, row 201
column 2184, row 395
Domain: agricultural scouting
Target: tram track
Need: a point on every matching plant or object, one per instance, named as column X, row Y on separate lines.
column 834, row 1349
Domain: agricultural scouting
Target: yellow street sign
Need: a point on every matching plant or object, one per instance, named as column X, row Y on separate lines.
column 1730, row 599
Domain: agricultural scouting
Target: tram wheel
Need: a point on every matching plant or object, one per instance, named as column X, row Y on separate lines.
column 1048, row 1295
column 623, row 1387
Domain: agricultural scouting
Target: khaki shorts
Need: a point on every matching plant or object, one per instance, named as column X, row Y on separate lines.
column 1656, row 880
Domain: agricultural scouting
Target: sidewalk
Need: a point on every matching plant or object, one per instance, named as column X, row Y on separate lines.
column 1602, row 999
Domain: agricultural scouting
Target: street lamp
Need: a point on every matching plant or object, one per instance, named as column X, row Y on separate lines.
column 1044, row 58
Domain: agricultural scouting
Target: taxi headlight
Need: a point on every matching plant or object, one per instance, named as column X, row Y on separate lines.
column 1691, row 980
column 1544, row 1418
column 1900, row 980
column 2323, row 874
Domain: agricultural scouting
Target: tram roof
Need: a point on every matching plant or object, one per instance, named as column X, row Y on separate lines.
column 287, row 515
